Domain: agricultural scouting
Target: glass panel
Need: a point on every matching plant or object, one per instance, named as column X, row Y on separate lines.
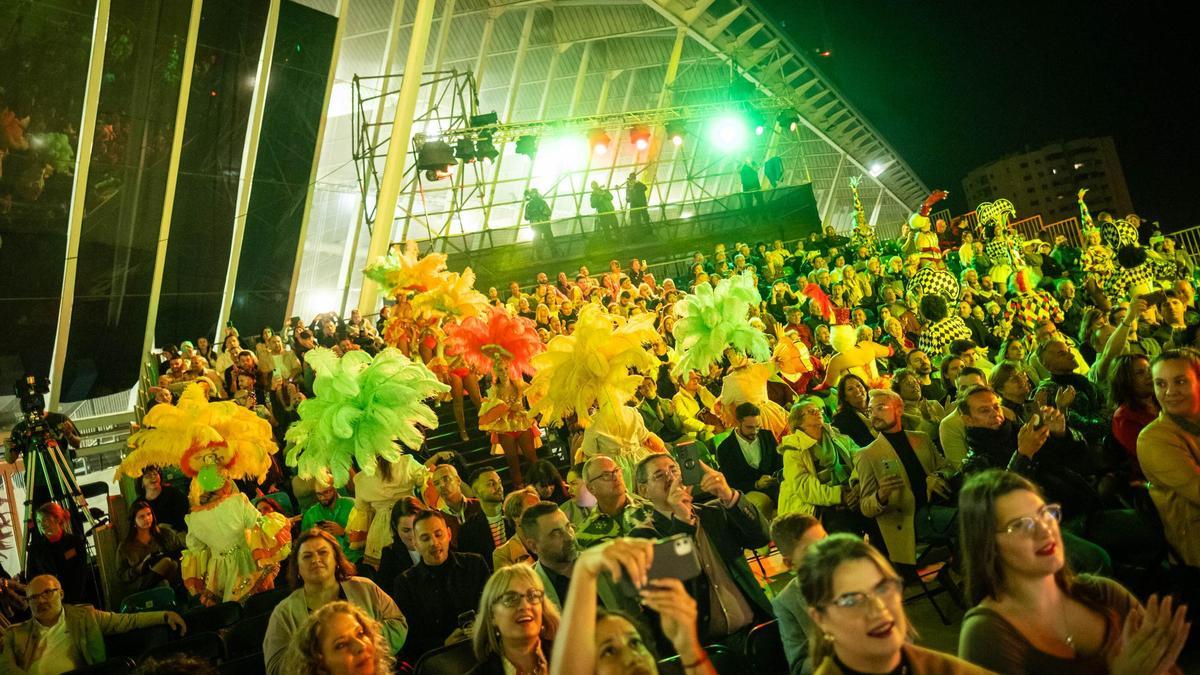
column 45, row 48
column 126, row 184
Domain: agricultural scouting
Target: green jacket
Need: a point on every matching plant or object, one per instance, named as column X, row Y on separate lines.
column 87, row 627
column 806, row 486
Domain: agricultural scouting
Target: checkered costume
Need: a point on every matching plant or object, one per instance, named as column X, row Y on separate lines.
column 929, row 280
column 937, row 336
column 1097, row 262
column 1031, row 308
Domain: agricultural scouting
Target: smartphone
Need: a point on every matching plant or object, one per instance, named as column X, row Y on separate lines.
column 674, row 558
column 891, row 467
column 687, row 454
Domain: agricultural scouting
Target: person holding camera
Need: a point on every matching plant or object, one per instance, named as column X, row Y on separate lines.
column 731, row 601
column 150, row 553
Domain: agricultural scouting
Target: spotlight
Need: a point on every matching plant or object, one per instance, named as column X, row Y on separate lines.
column 527, row 145
column 788, row 120
column 676, row 129
column 485, row 120
column 465, row 150
column 877, row 170
column 435, row 155
column 640, row 135
column 484, row 149
column 759, row 123
column 599, row 140
column 728, row 133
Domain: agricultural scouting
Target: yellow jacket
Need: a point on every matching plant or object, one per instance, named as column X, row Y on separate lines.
column 802, row 490
column 1170, row 458
column 896, row 517
column 687, row 407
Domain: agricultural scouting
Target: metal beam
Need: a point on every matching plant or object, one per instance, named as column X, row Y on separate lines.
column 164, row 223
column 249, row 160
column 343, row 8
column 83, row 162
column 393, row 167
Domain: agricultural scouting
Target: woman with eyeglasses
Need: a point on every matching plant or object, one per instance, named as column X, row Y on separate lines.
column 515, row 625
column 1031, row 613
column 855, row 599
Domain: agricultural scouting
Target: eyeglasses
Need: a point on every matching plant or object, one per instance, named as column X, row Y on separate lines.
column 665, row 474
column 608, row 476
column 1049, row 513
column 860, row 602
column 512, row 599
column 44, row 595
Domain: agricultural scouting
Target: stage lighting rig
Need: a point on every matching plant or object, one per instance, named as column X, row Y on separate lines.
column 640, row 136
column 599, row 141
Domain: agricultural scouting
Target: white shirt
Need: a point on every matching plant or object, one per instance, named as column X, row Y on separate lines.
column 56, row 653
column 751, row 450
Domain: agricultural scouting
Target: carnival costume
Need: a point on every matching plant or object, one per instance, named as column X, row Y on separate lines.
column 232, row 550
column 1003, row 248
column 863, row 234
column 923, row 241
column 1135, row 273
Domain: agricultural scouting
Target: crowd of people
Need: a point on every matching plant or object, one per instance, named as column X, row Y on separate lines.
column 1033, row 407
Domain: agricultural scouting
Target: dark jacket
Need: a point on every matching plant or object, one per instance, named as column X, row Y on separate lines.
column 433, row 598
column 731, row 531
column 738, row 472
column 848, row 422
column 393, row 561
column 475, row 536
column 494, row 664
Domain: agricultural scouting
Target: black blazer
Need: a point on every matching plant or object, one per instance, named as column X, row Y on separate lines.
column 494, row 663
column 848, row 422
column 475, row 536
column 739, row 474
column 393, row 561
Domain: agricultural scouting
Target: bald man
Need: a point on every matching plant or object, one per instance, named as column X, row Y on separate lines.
column 59, row 639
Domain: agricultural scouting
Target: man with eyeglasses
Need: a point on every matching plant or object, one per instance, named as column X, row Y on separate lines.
column 617, row 512
column 729, row 598
column 62, row 638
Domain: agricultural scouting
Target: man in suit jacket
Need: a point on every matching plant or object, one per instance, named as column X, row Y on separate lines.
column 902, row 475
column 750, row 460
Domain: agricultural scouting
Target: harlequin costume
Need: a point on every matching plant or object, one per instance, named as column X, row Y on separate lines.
column 863, row 234
column 232, row 550
column 924, row 241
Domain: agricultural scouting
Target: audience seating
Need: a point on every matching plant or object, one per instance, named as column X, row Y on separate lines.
column 246, row 636
column 251, row 664
column 764, row 649
column 264, row 603
column 933, row 564
column 454, row 659
column 136, row 642
column 117, row 666
column 157, row 599
column 213, row 619
column 207, row 646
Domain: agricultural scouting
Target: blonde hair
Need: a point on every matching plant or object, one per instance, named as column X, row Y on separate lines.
column 485, row 637
column 307, row 657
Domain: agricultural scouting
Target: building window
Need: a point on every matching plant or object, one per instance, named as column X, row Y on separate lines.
column 1054, row 171
column 1078, row 165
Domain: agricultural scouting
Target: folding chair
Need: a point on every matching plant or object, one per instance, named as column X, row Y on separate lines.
column 157, row 599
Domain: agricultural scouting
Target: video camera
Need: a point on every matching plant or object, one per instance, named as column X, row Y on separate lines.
column 31, row 390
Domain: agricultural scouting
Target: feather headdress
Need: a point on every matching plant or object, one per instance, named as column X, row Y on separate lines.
column 401, row 271
column 454, row 295
column 713, row 319
column 362, row 407
column 195, row 433
column 495, row 338
column 598, row 363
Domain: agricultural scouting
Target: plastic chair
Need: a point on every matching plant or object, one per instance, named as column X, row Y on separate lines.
column 264, row 603
column 158, row 599
column 205, row 646
column 213, row 619
column 251, row 664
column 246, row 636
column 454, row 659
column 764, row 649
column 134, row 643
column 283, row 499
column 117, row 666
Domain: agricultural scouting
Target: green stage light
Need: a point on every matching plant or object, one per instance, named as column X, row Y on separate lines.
column 675, row 130
column 728, row 133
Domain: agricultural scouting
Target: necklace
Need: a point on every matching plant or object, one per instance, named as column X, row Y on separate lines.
column 1068, row 637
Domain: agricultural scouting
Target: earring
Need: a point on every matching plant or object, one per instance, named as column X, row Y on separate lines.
column 828, row 637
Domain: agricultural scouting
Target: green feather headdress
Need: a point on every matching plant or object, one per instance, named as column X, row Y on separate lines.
column 713, row 319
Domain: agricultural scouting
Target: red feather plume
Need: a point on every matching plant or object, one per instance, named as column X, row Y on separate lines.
column 496, row 334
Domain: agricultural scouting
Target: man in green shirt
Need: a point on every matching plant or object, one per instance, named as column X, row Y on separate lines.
column 617, row 512
column 331, row 513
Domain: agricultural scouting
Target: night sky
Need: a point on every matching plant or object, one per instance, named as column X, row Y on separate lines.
column 955, row 85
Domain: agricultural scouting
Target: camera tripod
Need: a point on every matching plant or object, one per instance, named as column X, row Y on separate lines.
column 48, row 478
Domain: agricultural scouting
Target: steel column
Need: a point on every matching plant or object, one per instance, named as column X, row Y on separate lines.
column 514, row 84
column 83, row 162
column 164, row 225
column 580, row 77
column 249, row 160
column 393, row 167
column 833, row 185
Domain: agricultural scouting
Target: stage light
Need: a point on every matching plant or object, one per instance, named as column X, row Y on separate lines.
column 756, row 119
column 676, row 129
column 484, row 120
column 465, row 150
column 435, row 156
column 599, row 140
column 728, row 133
column 485, row 149
column 788, row 120
column 877, row 170
column 640, row 135
column 527, row 145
